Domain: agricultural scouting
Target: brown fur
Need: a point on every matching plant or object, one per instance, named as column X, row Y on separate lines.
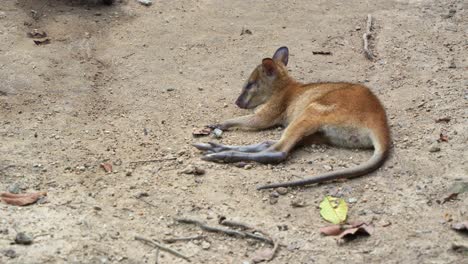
column 342, row 114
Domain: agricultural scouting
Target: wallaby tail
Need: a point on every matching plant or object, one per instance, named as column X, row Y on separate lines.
column 380, row 140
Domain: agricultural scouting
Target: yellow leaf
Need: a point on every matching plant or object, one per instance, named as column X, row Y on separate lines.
column 333, row 209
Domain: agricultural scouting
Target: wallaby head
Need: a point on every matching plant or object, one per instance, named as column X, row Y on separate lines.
column 265, row 80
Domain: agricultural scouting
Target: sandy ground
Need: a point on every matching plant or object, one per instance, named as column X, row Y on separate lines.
column 128, row 83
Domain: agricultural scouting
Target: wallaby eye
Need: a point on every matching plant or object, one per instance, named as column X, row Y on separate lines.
column 249, row 85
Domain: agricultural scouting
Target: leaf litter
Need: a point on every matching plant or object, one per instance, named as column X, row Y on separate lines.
column 21, row 199
column 333, row 209
column 348, row 231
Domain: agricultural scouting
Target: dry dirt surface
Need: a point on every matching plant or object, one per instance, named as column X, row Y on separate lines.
column 126, row 84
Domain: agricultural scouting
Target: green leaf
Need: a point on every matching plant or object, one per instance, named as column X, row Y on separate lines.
column 333, row 209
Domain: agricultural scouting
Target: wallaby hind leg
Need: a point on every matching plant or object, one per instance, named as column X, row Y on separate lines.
column 212, row 147
column 302, row 128
column 277, row 152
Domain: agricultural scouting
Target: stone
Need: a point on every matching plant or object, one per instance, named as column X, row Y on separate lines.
column 11, row 253
column 14, row 188
column 282, row 190
column 434, row 148
column 205, row 245
column 23, row 239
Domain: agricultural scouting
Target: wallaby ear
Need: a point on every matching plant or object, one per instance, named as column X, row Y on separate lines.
column 269, row 66
column 282, row 55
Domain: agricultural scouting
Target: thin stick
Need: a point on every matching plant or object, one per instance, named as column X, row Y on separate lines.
column 321, row 53
column 366, row 38
column 244, row 226
column 146, row 202
column 155, row 244
column 235, row 224
column 175, row 239
column 227, row 231
column 213, row 229
column 265, row 238
column 157, row 256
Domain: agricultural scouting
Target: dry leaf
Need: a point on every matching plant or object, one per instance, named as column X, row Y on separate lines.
column 461, row 226
column 442, row 138
column 332, row 230
column 358, row 228
column 348, row 231
column 450, row 197
column 198, row 132
column 21, row 199
column 333, row 209
column 107, row 167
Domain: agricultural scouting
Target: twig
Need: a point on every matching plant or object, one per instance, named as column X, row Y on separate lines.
column 175, row 239
column 231, row 223
column 128, row 55
column 157, row 256
column 213, row 229
column 321, row 53
column 265, row 237
column 153, row 160
column 228, row 231
column 366, row 38
column 155, row 244
column 244, row 226
column 146, row 202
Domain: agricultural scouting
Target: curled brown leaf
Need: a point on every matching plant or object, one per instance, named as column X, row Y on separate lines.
column 198, row 132
column 107, row 167
column 349, row 230
column 21, row 199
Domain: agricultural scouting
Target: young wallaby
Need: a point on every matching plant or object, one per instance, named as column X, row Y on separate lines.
column 340, row 114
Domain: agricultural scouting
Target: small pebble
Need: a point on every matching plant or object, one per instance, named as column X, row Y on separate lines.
column 274, row 194
column 195, row 170
column 128, row 172
column 14, row 188
column 248, row 166
column 145, row 2
column 205, row 245
column 434, row 148
column 282, row 190
column 273, row 200
column 23, row 239
column 297, row 203
column 217, row 133
column 10, row 253
column 352, row 200
column 240, row 164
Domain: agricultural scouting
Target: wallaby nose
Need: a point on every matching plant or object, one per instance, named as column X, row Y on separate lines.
column 240, row 103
